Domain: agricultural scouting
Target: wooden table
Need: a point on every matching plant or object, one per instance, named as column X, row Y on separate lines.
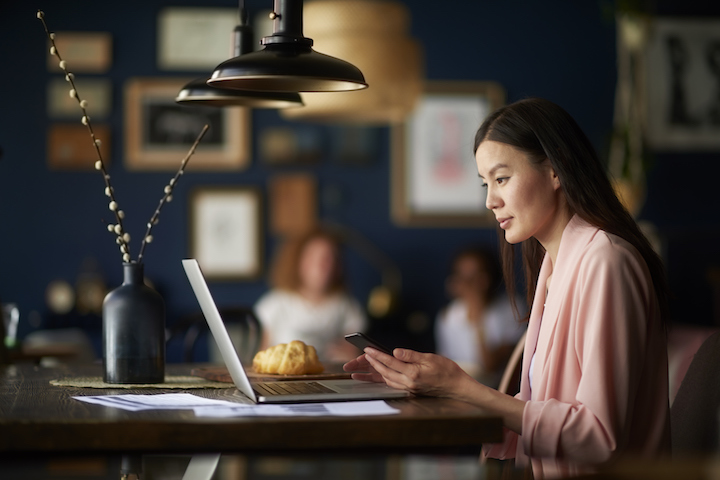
column 37, row 418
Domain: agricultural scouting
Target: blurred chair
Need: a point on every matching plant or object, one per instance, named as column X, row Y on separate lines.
column 694, row 415
column 683, row 342
column 510, row 381
column 246, row 335
column 509, row 384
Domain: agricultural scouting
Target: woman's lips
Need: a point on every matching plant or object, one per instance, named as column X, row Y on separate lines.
column 504, row 222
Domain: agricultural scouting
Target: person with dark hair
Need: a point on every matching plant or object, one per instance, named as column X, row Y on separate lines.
column 478, row 328
column 308, row 300
column 594, row 383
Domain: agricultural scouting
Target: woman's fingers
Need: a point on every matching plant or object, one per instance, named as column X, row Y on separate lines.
column 419, row 373
column 392, row 377
column 357, row 364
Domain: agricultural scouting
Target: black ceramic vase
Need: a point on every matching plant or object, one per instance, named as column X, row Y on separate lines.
column 133, row 331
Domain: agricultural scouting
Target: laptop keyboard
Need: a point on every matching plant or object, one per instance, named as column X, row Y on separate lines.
column 290, row 388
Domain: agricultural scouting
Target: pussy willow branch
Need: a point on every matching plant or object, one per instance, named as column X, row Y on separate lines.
column 123, row 238
column 119, row 230
column 168, row 193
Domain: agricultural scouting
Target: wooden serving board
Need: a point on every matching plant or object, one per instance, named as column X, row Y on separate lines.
column 221, row 374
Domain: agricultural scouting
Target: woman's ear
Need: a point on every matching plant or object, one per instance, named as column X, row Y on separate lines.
column 555, row 179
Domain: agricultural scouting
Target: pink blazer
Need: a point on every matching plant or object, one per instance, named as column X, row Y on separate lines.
column 600, row 381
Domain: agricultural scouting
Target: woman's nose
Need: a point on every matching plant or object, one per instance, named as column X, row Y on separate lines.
column 492, row 201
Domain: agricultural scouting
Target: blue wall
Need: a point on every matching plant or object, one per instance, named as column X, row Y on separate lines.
column 559, row 49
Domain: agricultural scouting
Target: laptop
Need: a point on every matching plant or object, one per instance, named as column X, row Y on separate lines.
column 283, row 391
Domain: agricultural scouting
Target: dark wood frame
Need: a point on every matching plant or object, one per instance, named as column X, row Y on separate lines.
column 196, row 230
column 402, row 213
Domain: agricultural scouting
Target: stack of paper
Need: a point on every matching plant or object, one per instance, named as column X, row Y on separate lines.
column 207, row 407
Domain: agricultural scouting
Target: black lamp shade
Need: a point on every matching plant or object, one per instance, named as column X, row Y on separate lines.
column 287, row 63
column 288, row 68
column 198, row 92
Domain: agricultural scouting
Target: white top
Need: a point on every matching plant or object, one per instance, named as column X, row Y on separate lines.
column 287, row 316
column 457, row 338
column 531, row 370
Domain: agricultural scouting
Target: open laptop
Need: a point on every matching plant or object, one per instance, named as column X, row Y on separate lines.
column 276, row 392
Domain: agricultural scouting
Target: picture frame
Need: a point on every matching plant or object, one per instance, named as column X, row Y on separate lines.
column 434, row 179
column 159, row 131
column 296, row 145
column 226, row 232
column 195, row 38
column 293, row 203
column 96, row 91
column 84, row 52
column 683, row 85
column 70, row 147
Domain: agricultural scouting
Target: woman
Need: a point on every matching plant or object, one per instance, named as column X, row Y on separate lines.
column 308, row 300
column 478, row 328
column 594, row 374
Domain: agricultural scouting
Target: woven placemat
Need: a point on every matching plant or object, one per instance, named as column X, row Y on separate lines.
column 171, row 381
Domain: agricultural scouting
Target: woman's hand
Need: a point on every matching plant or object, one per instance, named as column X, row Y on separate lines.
column 361, row 370
column 419, row 373
column 430, row 374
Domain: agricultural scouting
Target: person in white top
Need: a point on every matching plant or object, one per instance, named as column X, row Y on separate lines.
column 478, row 329
column 308, row 300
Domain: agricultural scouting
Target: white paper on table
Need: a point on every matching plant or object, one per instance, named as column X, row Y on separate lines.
column 362, row 408
column 161, row 401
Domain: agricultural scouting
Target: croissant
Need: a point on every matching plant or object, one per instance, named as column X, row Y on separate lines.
column 294, row 358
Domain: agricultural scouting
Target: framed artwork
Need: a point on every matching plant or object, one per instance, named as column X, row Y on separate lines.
column 354, row 145
column 226, row 232
column 297, row 145
column 434, row 177
column 159, row 132
column 195, row 38
column 70, row 146
column 683, row 85
column 85, row 52
column 293, row 203
column 97, row 92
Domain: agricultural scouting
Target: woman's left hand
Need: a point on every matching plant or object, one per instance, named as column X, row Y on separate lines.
column 418, row 373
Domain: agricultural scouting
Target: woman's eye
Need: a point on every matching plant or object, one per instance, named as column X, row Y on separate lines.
column 484, row 185
column 502, row 180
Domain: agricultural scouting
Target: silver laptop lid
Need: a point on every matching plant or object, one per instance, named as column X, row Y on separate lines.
column 217, row 328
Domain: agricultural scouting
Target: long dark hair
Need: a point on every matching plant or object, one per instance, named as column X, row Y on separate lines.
column 543, row 130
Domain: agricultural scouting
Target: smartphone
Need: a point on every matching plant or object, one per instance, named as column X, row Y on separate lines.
column 361, row 341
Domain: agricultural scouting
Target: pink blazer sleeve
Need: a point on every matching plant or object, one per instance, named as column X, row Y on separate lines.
column 611, row 301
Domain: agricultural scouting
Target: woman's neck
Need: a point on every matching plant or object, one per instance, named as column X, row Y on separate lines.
column 551, row 237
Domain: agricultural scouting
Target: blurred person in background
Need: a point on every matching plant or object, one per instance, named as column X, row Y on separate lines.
column 478, row 328
column 308, row 300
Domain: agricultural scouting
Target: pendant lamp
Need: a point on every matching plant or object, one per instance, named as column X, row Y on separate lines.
column 374, row 35
column 287, row 63
column 198, row 92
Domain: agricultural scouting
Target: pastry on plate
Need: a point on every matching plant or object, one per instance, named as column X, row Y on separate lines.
column 294, row 358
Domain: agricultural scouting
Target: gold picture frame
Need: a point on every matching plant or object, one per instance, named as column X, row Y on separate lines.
column 159, row 132
column 85, row 52
column 226, row 232
column 434, row 180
